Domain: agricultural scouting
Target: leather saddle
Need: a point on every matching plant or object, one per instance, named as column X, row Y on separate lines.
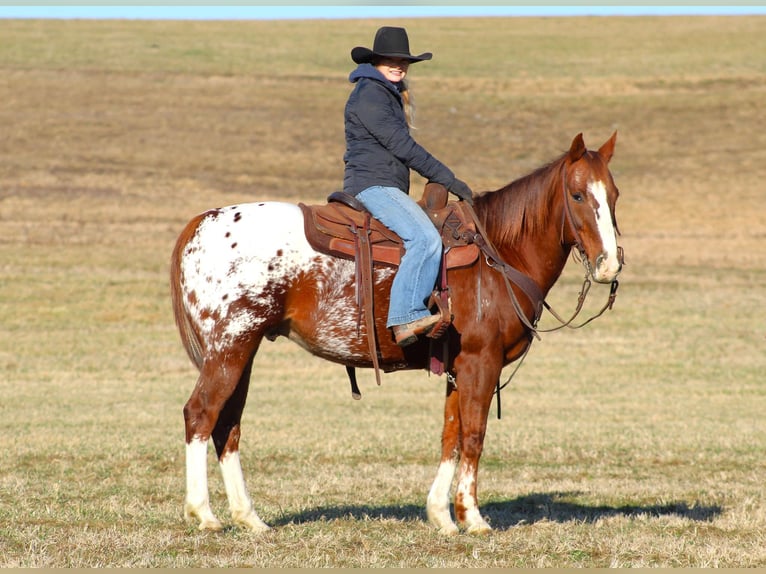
column 344, row 228
column 335, row 228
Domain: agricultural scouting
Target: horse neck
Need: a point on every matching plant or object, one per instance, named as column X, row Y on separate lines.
column 524, row 222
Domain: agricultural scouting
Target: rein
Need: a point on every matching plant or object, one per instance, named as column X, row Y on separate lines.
column 495, row 261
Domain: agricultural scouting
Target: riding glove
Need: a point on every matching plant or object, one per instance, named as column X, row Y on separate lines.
column 461, row 189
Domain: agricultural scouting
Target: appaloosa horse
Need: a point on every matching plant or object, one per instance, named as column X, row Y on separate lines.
column 245, row 272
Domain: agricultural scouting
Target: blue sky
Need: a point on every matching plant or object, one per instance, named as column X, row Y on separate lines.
column 235, row 12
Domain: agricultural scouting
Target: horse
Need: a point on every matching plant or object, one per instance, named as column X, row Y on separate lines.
column 246, row 272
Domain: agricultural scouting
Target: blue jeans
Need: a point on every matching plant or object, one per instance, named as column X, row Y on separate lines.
column 419, row 267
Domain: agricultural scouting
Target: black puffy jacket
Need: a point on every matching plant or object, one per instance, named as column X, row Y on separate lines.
column 379, row 147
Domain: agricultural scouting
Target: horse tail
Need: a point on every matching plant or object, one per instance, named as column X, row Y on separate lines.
column 189, row 336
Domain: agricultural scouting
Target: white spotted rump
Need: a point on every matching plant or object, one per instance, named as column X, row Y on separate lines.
column 241, row 262
column 236, row 255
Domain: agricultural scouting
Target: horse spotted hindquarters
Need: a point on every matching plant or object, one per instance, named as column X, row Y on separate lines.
column 245, row 272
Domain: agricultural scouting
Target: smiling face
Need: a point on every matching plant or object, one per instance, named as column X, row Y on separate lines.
column 393, row 69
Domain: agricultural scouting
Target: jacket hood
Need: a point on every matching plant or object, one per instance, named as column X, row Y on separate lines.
column 365, row 71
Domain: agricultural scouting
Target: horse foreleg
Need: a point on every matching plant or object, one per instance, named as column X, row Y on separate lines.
column 466, row 501
column 474, row 402
column 226, row 440
column 438, row 503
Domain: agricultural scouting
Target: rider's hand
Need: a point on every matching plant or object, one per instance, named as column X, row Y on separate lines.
column 461, row 189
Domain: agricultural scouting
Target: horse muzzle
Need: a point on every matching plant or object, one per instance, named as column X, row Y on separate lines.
column 607, row 266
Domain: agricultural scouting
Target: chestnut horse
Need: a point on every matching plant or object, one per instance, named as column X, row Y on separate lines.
column 245, row 272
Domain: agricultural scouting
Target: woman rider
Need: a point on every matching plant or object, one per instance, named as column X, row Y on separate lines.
column 379, row 155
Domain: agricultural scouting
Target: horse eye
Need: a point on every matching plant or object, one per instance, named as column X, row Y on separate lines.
column 577, row 197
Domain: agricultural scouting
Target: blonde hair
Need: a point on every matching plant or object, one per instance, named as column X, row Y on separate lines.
column 404, row 91
column 409, row 104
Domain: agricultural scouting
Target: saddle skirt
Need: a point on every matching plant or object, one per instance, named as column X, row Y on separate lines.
column 334, row 228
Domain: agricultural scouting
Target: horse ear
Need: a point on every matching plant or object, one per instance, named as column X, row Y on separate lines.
column 577, row 150
column 607, row 149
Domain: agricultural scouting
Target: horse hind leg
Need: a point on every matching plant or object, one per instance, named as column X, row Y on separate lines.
column 197, row 503
column 226, row 440
column 220, row 379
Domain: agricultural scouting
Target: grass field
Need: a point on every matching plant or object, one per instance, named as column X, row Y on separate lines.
column 638, row 441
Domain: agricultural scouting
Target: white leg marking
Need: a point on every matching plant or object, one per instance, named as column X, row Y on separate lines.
column 610, row 264
column 437, row 505
column 239, row 500
column 474, row 523
column 197, row 499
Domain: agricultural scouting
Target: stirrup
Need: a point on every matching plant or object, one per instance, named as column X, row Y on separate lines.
column 443, row 303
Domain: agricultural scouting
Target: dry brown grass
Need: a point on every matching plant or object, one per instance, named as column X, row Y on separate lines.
column 638, row 441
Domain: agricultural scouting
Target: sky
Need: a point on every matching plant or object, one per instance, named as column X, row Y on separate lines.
column 244, row 12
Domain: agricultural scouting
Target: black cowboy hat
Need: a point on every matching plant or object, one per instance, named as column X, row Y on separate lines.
column 390, row 42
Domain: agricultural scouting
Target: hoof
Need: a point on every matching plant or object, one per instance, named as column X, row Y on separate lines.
column 449, row 530
column 252, row 522
column 480, row 528
column 210, row 526
column 208, row 522
column 441, row 519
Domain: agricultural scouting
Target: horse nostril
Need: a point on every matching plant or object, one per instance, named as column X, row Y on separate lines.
column 602, row 259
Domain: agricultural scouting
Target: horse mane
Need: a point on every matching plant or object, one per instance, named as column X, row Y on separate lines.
column 522, row 207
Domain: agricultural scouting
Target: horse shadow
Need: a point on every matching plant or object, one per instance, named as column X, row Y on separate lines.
column 558, row 507
column 505, row 514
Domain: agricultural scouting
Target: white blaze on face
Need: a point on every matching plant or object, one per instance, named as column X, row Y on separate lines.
column 608, row 265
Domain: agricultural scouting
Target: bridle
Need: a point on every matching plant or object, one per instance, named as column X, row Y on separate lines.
column 568, row 217
column 530, row 288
